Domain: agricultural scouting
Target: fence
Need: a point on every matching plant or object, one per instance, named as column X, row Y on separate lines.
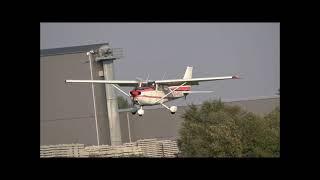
column 141, row 148
column 63, row 150
column 114, row 151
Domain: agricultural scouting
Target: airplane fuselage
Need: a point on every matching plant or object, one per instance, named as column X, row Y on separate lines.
column 148, row 96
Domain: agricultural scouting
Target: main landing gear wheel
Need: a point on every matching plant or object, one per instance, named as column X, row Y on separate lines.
column 173, row 109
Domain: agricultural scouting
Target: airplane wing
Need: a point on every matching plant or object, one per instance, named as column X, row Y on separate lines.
column 193, row 81
column 170, row 82
column 129, row 83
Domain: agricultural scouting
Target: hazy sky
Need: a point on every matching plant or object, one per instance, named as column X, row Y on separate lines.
column 250, row 50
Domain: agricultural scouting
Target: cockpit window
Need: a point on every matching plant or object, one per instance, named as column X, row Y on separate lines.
column 146, row 86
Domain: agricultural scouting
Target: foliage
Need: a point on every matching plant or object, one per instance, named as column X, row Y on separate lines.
column 219, row 130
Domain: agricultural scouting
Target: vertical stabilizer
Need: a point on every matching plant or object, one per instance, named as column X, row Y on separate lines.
column 188, row 73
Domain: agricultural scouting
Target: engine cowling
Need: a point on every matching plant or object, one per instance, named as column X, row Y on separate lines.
column 135, row 93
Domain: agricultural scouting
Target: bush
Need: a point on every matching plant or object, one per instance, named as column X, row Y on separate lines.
column 218, row 130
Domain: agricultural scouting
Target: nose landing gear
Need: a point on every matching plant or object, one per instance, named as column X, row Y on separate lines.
column 140, row 111
column 134, row 111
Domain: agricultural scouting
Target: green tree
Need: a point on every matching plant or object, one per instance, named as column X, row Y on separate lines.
column 218, row 130
column 272, row 121
column 122, row 103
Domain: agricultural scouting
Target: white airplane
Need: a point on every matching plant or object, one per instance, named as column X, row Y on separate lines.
column 149, row 92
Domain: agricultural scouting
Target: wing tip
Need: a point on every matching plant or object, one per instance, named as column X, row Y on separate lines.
column 235, row 77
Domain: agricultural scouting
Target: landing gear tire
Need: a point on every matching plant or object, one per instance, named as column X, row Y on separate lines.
column 134, row 110
column 173, row 109
column 140, row 111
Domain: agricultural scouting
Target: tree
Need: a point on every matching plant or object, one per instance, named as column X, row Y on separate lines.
column 122, row 103
column 218, row 130
column 272, row 121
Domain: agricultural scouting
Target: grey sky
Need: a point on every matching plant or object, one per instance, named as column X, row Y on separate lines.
column 251, row 50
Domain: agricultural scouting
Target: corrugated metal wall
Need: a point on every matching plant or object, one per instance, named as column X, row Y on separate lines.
column 66, row 111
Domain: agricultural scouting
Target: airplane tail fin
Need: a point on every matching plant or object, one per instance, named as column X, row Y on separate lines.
column 188, row 73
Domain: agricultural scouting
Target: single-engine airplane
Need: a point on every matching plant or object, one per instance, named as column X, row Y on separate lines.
column 155, row 92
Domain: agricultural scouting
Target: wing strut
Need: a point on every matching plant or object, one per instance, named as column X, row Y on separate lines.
column 120, row 90
column 165, row 106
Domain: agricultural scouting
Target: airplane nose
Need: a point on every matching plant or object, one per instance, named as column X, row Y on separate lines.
column 135, row 93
